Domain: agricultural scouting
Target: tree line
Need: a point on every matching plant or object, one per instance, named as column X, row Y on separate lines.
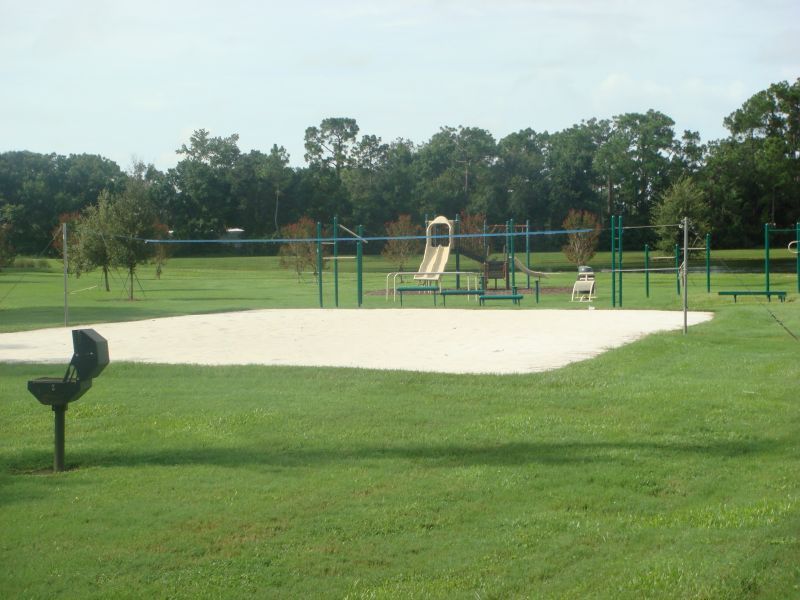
column 635, row 165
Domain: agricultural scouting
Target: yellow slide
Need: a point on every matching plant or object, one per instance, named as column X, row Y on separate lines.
column 434, row 261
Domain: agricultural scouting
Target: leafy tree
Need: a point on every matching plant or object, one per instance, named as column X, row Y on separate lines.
column 453, row 172
column 581, row 246
column 93, row 238
column 332, row 144
column 398, row 250
column 572, row 182
column 7, row 252
column 475, row 248
column 204, row 204
column 277, row 175
column 683, row 199
column 133, row 219
column 520, row 176
column 40, row 187
column 300, row 255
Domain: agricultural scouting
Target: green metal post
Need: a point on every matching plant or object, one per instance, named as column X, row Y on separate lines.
column 708, row 263
column 797, row 247
column 766, row 255
column 613, row 261
column 319, row 261
column 513, row 267
column 58, row 455
column 647, row 271
column 537, row 291
column 528, row 252
column 619, row 259
column 336, row 262
column 678, row 269
column 458, row 252
column 359, row 265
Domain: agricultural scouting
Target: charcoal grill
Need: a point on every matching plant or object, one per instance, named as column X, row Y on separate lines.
column 89, row 358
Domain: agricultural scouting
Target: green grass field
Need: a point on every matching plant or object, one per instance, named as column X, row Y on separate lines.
column 664, row 469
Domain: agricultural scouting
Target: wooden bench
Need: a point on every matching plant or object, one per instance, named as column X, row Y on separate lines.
column 781, row 295
column 425, row 289
column 515, row 298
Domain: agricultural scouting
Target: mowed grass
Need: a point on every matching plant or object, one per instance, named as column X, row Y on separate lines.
column 667, row 468
column 35, row 298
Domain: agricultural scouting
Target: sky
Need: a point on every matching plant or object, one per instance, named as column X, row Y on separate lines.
column 131, row 81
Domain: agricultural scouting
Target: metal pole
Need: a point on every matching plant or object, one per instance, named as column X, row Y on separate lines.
column 485, row 241
column 458, row 252
column 336, row 262
column 319, row 261
column 766, row 255
column 677, row 270
column 708, row 263
column 513, row 266
column 537, row 291
column 797, row 237
column 359, row 266
column 66, row 270
column 528, row 252
column 613, row 261
column 619, row 260
column 646, row 271
column 685, row 275
column 58, row 455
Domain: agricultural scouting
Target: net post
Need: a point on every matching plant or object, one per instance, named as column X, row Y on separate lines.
column 708, row 263
column 766, row 256
column 359, row 266
column 319, row 261
column 528, row 251
column 613, row 261
column 685, row 275
column 457, row 227
column 619, row 261
column 512, row 265
column 336, row 261
column 66, row 271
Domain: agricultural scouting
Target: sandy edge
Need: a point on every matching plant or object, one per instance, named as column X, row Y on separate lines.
column 445, row 341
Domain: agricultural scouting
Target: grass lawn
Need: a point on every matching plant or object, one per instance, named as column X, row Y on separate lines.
column 664, row 469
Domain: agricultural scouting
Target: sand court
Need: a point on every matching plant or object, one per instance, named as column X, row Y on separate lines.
column 444, row 341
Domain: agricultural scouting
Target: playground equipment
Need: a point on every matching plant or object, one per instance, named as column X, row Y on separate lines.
column 584, row 287
column 360, row 241
column 792, row 247
column 436, row 254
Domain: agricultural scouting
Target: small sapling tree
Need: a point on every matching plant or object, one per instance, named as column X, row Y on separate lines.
column 584, row 235
column 301, row 254
column 400, row 248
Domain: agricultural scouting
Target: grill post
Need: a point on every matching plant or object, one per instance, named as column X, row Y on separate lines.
column 59, row 411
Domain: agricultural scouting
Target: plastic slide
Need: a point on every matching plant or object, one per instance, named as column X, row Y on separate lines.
column 521, row 266
column 434, row 261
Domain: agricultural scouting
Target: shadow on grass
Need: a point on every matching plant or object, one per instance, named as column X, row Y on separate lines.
column 432, row 456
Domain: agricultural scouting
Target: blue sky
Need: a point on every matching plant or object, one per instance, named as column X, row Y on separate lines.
column 132, row 80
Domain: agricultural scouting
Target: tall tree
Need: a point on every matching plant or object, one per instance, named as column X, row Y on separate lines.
column 331, row 145
column 203, row 205
column 520, row 177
